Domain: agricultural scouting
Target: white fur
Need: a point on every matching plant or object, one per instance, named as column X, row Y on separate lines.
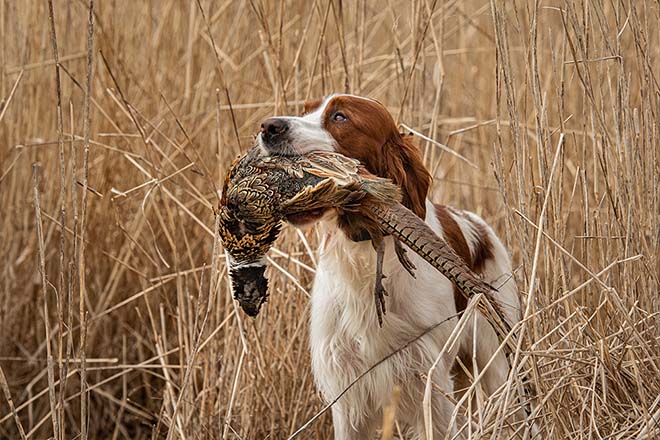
column 346, row 339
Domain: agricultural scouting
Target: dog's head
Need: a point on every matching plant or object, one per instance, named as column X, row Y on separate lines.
column 356, row 127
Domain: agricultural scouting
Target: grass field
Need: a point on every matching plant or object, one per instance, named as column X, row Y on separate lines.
column 113, row 309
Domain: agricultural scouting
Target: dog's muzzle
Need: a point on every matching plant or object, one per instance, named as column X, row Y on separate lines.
column 274, row 135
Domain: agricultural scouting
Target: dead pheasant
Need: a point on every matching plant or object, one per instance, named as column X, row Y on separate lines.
column 260, row 192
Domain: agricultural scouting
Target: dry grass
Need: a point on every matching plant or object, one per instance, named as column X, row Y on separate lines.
column 130, row 295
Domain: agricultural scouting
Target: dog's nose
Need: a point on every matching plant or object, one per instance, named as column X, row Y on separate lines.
column 274, row 127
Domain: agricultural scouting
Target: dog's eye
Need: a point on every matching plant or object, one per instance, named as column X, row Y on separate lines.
column 339, row 117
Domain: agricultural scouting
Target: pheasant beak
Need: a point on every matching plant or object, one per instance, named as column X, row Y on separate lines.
column 250, row 287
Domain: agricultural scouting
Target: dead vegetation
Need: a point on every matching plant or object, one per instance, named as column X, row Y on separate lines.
column 114, row 306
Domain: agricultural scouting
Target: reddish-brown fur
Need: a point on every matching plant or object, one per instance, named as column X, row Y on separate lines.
column 457, row 241
column 482, row 249
column 370, row 135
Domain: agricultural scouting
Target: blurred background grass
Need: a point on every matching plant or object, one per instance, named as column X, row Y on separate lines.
column 178, row 91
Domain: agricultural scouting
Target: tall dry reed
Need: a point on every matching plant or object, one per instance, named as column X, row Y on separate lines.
column 115, row 315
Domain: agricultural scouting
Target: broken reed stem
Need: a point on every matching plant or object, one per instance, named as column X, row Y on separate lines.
column 44, row 291
column 81, row 259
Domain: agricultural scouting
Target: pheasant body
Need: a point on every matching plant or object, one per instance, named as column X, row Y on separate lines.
column 260, row 192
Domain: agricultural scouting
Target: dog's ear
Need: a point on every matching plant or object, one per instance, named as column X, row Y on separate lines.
column 311, row 105
column 401, row 162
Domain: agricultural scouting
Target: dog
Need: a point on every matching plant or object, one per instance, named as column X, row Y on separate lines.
column 345, row 337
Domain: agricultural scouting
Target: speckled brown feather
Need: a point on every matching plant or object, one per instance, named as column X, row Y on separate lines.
column 261, row 191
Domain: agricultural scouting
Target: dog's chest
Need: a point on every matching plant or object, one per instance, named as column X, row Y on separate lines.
column 343, row 301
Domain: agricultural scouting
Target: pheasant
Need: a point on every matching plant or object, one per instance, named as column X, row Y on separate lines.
column 260, row 192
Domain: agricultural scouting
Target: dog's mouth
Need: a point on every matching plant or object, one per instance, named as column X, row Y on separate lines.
column 306, row 217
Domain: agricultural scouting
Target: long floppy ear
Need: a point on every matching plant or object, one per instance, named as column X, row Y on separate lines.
column 402, row 163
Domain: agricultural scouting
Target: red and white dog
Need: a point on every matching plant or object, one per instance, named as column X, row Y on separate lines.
column 345, row 336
